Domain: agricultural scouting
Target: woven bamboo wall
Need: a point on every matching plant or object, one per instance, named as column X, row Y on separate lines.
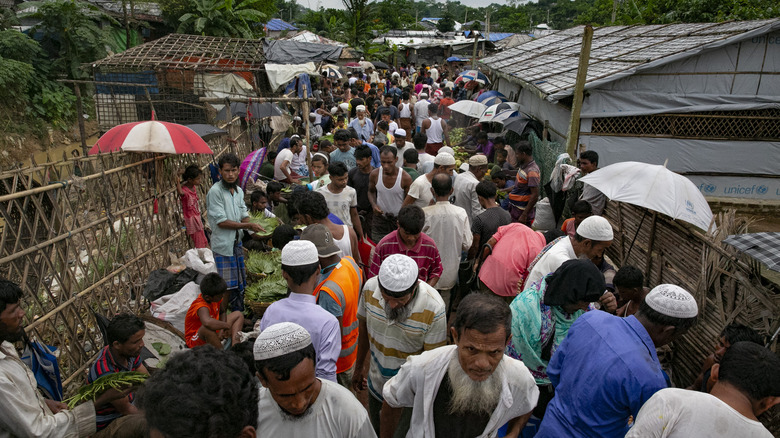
column 727, row 285
column 76, row 244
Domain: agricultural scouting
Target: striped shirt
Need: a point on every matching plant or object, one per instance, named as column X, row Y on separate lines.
column 391, row 342
column 103, row 366
column 424, row 253
column 527, row 177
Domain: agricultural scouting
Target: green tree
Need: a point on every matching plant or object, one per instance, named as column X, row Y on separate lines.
column 71, row 33
column 359, row 20
column 446, row 23
column 222, row 18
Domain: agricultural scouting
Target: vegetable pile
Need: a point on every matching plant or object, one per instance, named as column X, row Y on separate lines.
column 269, row 223
column 119, row 381
column 272, row 286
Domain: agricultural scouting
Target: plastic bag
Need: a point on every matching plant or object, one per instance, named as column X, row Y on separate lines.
column 173, row 308
column 158, row 282
column 200, row 259
column 545, row 220
column 40, row 358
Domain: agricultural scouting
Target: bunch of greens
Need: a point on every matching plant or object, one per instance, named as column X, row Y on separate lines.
column 119, row 381
column 263, row 263
column 267, row 290
column 268, row 223
column 457, row 135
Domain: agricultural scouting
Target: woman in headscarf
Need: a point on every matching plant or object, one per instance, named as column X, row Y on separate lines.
column 543, row 313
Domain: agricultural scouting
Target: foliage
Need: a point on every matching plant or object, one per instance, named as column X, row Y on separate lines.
column 119, row 381
column 446, row 23
column 71, row 33
column 358, row 21
column 269, row 224
column 8, row 19
column 222, row 18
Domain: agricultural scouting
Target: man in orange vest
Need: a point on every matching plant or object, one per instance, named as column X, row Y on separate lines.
column 338, row 292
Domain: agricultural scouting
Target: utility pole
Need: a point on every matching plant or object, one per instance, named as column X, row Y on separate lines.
column 475, row 34
column 487, row 24
column 466, row 17
column 614, row 10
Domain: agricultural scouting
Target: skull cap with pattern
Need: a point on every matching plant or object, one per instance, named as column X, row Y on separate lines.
column 280, row 339
column 672, row 300
column 299, row 253
column 397, row 273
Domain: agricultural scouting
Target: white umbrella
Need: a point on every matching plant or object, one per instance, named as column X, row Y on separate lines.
column 654, row 187
column 366, row 65
column 494, row 110
column 468, row 108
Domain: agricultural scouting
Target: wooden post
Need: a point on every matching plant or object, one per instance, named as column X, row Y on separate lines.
column 80, row 115
column 305, row 110
column 475, row 34
column 579, row 88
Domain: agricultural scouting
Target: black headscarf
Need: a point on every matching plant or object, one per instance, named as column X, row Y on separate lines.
column 575, row 281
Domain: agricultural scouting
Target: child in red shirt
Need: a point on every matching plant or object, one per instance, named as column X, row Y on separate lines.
column 204, row 323
column 187, row 189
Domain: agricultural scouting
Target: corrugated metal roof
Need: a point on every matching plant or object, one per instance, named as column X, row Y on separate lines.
column 276, row 24
column 550, row 63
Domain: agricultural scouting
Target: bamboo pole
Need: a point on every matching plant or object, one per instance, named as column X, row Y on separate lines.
column 80, row 116
column 305, row 110
column 579, row 88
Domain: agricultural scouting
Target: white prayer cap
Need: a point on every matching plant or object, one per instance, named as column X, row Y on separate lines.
column 480, row 160
column 423, row 95
column 400, row 133
column 344, row 106
column 444, row 159
column 360, row 108
column 671, row 300
column 447, row 150
column 464, row 167
column 299, row 253
column 596, row 228
column 297, row 118
column 334, row 109
column 280, row 339
column 397, row 273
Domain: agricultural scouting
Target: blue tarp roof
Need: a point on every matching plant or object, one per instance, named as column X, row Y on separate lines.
column 494, row 36
column 276, row 24
column 430, row 19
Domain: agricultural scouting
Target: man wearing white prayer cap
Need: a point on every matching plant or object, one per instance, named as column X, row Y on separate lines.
column 301, row 270
column 362, row 124
column 400, row 316
column 293, row 401
column 401, row 145
column 606, row 368
column 593, row 237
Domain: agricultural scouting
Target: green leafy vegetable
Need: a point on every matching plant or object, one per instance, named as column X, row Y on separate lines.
column 263, row 263
column 268, row 223
column 118, row 381
column 162, row 348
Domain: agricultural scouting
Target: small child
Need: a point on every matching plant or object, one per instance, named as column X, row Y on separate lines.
column 282, row 235
column 581, row 210
column 278, row 203
column 501, row 159
column 205, row 323
column 341, row 122
column 187, row 190
column 319, row 170
column 629, row 290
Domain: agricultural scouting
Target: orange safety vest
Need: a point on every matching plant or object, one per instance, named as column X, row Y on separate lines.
column 343, row 285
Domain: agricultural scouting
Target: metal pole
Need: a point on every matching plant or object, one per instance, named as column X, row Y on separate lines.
column 579, row 87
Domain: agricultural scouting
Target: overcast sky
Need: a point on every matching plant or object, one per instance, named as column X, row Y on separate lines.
column 315, row 4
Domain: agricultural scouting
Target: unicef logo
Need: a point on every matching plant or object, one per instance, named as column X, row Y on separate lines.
column 689, row 206
column 709, row 188
column 761, row 189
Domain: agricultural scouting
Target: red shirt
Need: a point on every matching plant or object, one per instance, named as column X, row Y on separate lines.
column 424, row 253
column 444, row 108
column 192, row 321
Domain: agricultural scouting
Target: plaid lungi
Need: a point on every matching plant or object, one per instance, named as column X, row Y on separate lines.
column 233, row 271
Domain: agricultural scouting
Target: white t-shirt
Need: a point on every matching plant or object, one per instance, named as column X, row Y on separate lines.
column 335, row 414
column 340, row 203
column 421, row 191
column 551, row 260
column 425, row 158
column 407, row 146
column 679, row 413
column 284, row 155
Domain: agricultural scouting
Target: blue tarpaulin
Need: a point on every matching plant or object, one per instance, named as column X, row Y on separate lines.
column 299, row 82
column 143, row 77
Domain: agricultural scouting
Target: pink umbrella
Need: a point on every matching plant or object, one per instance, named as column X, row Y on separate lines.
column 151, row 136
column 250, row 166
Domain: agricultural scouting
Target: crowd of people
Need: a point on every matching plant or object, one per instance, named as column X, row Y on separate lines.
column 463, row 321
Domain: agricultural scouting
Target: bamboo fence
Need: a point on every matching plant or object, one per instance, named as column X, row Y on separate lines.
column 728, row 285
column 81, row 244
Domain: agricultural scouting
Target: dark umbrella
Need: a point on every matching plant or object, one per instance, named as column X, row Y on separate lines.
column 764, row 247
column 516, row 124
column 207, row 132
column 258, row 110
column 380, row 64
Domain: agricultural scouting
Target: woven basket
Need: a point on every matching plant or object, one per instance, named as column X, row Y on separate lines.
column 258, row 308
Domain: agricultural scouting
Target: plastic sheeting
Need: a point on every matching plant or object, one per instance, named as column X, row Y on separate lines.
column 292, row 52
column 280, row 74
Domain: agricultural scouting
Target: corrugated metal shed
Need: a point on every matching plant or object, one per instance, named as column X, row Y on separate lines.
column 549, row 64
column 276, row 25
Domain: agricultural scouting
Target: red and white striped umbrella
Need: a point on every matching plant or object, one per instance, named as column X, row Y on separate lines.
column 151, row 136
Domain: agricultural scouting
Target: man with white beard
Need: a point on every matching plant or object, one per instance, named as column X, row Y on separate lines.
column 293, row 401
column 399, row 316
column 470, row 389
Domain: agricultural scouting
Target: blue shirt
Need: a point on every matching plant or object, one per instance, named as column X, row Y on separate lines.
column 224, row 206
column 348, row 158
column 374, row 154
column 604, row 371
column 365, row 130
